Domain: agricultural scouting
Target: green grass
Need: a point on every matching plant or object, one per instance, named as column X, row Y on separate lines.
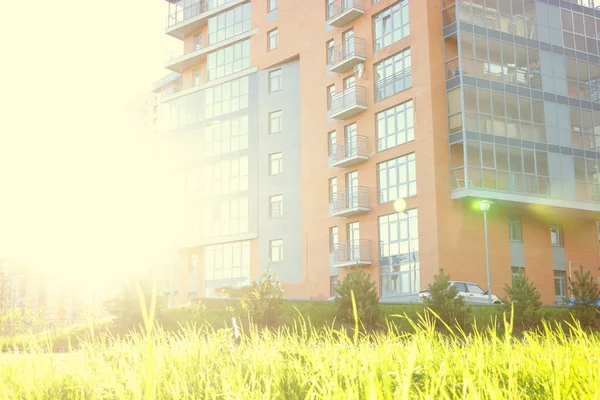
column 300, row 362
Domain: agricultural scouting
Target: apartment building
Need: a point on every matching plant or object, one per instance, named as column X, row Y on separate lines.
column 315, row 136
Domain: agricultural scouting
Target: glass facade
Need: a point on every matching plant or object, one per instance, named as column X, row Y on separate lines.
column 397, row 178
column 228, row 217
column 227, row 98
column 393, row 75
column 391, row 25
column 228, row 60
column 226, row 265
column 229, row 24
column 523, row 107
column 395, row 126
column 399, row 254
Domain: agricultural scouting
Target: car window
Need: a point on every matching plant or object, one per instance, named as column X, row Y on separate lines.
column 460, row 286
column 475, row 289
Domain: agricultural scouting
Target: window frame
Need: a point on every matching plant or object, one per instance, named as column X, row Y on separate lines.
column 273, row 39
column 513, row 221
column 272, row 5
column 400, row 136
column 277, row 74
column 384, row 34
column 395, row 165
column 276, row 115
column 276, row 244
column 559, row 236
column 276, row 204
column 278, row 159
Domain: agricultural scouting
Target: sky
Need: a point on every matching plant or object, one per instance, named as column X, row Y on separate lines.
column 77, row 190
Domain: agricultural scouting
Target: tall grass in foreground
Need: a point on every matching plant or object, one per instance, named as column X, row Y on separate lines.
column 303, row 363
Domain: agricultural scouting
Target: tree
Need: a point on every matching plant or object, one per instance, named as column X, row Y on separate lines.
column 524, row 299
column 263, row 299
column 444, row 300
column 126, row 306
column 365, row 296
column 586, row 294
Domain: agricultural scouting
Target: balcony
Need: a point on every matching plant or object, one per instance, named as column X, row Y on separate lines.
column 342, row 12
column 352, row 151
column 184, row 20
column 346, row 55
column 348, row 103
column 350, row 202
column 352, row 253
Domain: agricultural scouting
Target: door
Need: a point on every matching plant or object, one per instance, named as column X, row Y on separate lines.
column 352, row 189
column 476, row 294
column 351, row 140
column 348, row 39
column 353, row 241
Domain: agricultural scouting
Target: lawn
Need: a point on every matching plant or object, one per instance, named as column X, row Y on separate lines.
column 303, row 363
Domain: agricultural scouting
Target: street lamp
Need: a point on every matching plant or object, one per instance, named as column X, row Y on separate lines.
column 484, row 205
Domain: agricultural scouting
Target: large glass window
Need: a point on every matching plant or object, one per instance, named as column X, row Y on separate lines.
column 272, row 39
column 229, row 60
column 226, row 264
column 393, row 75
column 399, row 254
column 397, row 178
column 229, row 24
column 391, row 24
column 226, row 176
column 227, row 98
column 228, row 136
column 230, row 217
column 395, row 126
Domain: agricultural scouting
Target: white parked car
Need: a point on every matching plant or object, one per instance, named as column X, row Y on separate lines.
column 471, row 292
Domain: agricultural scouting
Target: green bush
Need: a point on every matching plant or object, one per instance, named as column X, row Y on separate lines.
column 359, row 283
column 586, row 294
column 126, row 306
column 445, row 301
column 263, row 300
column 524, row 300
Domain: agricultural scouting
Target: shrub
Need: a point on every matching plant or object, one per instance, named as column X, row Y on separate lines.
column 126, row 306
column 263, row 299
column 524, row 299
column 445, row 301
column 586, row 295
column 365, row 297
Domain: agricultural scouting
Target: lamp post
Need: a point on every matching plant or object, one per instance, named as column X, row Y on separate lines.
column 484, row 205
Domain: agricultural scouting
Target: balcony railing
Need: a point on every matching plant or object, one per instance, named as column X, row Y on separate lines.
column 342, row 12
column 352, row 151
column 391, row 85
column 349, row 202
column 172, row 87
column 348, row 102
column 352, row 253
column 184, row 20
column 346, row 55
column 193, row 10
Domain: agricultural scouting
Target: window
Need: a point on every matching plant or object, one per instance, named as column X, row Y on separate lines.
column 460, row 286
column 229, row 262
column 275, row 163
column 514, row 229
column 397, row 178
column 393, row 75
column 560, row 283
column 276, row 250
column 275, row 80
column 197, row 42
column 330, row 94
column 228, row 24
column 228, row 60
column 228, row 175
column 227, row 98
column 333, row 280
column 475, row 289
column 333, row 188
column 196, row 77
column 272, row 39
column 330, row 45
column 276, row 206
column 517, row 271
column 399, row 253
column 331, row 142
column 230, row 135
column 349, row 82
column 395, row 126
column 229, row 217
column 391, row 25
column 556, row 236
column 275, row 123
column 333, row 238
column 273, row 5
